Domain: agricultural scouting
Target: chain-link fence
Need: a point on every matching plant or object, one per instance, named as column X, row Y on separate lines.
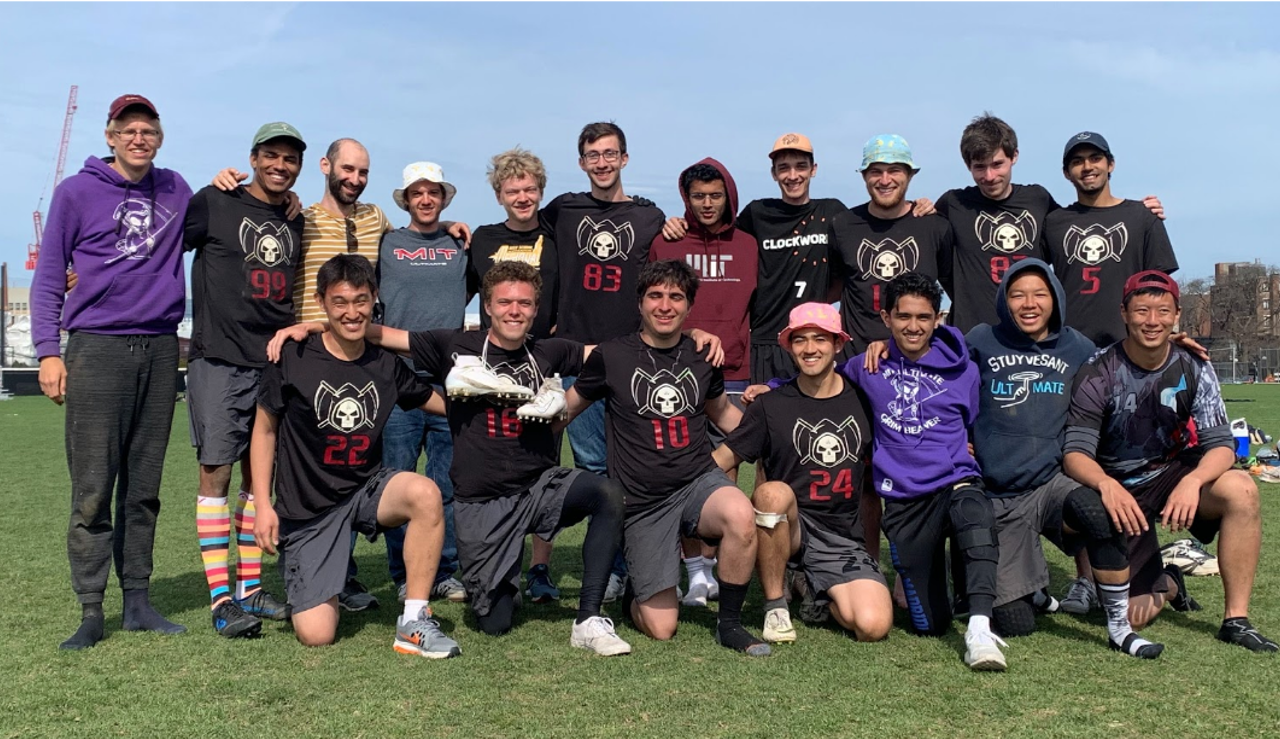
column 1232, row 366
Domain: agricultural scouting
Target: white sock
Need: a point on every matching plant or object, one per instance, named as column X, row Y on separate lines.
column 708, row 567
column 980, row 624
column 693, row 566
column 411, row 609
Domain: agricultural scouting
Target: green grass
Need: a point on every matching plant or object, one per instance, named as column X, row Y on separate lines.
column 1062, row 680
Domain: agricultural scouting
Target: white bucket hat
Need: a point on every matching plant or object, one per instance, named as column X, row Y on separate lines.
column 429, row 171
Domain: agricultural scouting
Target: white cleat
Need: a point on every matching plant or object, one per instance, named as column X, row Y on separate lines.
column 982, row 652
column 471, row 378
column 548, row 405
column 778, row 628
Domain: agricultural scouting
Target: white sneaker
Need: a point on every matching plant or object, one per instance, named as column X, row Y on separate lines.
column 1190, row 556
column 597, row 634
column 777, row 626
column 471, row 378
column 548, row 405
column 696, row 597
column 982, row 651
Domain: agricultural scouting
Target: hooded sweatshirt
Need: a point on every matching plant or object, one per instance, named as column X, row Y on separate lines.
column 726, row 263
column 125, row 239
column 922, row 412
column 1025, row 390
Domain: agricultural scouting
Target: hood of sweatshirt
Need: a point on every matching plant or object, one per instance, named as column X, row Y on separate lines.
column 731, row 206
column 922, row 411
column 124, row 240
column 1025, row 391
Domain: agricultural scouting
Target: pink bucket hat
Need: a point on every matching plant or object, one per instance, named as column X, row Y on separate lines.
column 822, row 316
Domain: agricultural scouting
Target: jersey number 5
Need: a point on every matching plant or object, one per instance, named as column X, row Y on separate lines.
column 1091, row 282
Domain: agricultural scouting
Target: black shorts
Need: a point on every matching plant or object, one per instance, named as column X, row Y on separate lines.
column 1145, row 564
column 770, row 361
column 314, row 554
column 651, row 538
column 222, row 401
column 1020, row 522
column 828, row 559
column 491, row 533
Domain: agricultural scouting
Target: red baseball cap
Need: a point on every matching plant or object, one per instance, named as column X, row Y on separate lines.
column 1152, row 278
column 126, row 101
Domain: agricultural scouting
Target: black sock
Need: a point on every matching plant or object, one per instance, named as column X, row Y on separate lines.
column 602, row 500
column 139, row 615
column 732, row 596
column 90, row 631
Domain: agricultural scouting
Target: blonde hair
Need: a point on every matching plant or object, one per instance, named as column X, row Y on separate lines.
column 516, row 162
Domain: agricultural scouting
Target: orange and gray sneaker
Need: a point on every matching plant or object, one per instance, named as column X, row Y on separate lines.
column 422, row 636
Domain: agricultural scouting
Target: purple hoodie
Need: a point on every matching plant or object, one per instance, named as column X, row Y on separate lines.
column 922, row 412
column 125, row 240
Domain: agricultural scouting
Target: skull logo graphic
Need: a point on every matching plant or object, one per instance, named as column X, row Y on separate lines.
column 269, row 244
column 604, row 245
column 827, row 449
column 346, row 409
column 346, row 414
column 1095, row 244
column 605, row 240
column 665, row 399
column 888, row 265
column 827, row 443
column 1008, row 238
column 1005, row 232
column 887, row 259
column 665, row 393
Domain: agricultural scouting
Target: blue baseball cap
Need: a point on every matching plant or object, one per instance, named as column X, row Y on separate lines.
column 1085, row 138
column 887, row 148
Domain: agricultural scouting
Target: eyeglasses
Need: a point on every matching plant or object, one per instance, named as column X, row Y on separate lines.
column 704, row 197
column 610, row 155
column 353, row 244
column 147, row 134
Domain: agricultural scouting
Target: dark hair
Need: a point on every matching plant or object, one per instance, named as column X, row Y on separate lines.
column 593, row 132
column 352, row 269
column 773, row 157
column 699, row 173
column 675, row 272
column 984, row 136
column 913, row 283
column 1148, row 292
column 509, row 270
column 286, row 139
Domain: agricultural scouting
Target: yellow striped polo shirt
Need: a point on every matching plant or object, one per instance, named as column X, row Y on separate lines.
column 324, row 236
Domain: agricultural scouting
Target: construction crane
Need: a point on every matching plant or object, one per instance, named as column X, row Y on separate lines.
column 33, row 250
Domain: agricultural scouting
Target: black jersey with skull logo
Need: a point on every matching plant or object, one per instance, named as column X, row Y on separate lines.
column 242, row 276
column 655, row 424
column 818, row 446
column 332, row 413
column 872, row 251
column 1094, row 250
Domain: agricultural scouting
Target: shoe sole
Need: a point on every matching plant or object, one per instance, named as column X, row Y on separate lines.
column 780, row 638
column 404, row 647
column 617, row 651
column 350, row 609
column 251, row 631
column 1074, row 609
column 541, row 599
column 988, row 665
column 468, row 394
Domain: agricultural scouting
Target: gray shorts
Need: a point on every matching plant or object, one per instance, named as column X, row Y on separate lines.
column 828, row 559
column 314, row 554
column 1020, row 522
column 221, row 402
column 491, row 533
column 651, row 538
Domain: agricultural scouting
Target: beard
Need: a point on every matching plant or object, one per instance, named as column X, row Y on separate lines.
column 335, row 189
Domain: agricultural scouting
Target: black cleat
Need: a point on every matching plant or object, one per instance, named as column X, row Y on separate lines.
column 1240, row 631
column 230, row 620
column 1182, row 602
column 264, row 605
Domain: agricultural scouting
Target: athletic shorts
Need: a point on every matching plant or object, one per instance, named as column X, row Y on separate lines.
column 1020, row 522
column 222, row 401
column 1145, row 565
column 491, row 533
column 733, row 390
column 828, row 559
column 770, row 361
column 314, row 554
column 651, row 538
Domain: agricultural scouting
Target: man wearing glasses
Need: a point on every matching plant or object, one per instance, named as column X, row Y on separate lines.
column 120, row 221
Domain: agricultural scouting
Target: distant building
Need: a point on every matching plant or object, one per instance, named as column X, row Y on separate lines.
column 1245, row 301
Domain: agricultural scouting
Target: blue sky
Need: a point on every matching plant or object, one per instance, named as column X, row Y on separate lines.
column 1187, row 94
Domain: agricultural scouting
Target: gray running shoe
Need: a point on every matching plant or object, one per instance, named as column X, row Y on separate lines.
column 1080, row 598
column 450, row 589
column 422, row 636
column 356, row 597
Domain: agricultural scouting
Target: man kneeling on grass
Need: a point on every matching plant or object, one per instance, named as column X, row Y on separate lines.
column 813, row 438
column 322, row 409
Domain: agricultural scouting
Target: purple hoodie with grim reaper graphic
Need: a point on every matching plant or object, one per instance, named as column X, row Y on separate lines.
column 125, row 240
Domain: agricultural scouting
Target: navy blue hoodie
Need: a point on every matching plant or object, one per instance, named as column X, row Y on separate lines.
column 1025, row 391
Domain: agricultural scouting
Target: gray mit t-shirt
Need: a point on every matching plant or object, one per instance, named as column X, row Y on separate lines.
column 422, row 280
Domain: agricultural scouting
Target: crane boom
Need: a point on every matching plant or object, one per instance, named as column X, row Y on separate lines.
column 33, row 250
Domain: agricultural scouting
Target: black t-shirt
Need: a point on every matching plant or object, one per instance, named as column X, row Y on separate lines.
column 795, row 259
column 655, row 419
column 818, row 446
column 332, row 413
column 601, row 247
column 1094, row 250
column 990, row 236
column 872, row 251
column 498, row 243
column 242, row 277
column 494, row 453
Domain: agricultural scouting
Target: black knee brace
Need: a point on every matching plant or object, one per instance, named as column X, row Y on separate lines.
column 1017, row 618
column 1083, row 512
column 973, row 522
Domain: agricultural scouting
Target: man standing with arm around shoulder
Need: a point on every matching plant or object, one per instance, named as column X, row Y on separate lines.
column 120, row 221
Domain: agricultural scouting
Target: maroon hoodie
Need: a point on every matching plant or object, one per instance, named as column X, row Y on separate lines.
column 726, row 264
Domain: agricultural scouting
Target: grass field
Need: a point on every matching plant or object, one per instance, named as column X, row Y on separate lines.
column 1062, row 681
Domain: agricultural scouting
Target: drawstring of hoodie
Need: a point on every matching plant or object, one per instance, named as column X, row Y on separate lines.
column 138, row 342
